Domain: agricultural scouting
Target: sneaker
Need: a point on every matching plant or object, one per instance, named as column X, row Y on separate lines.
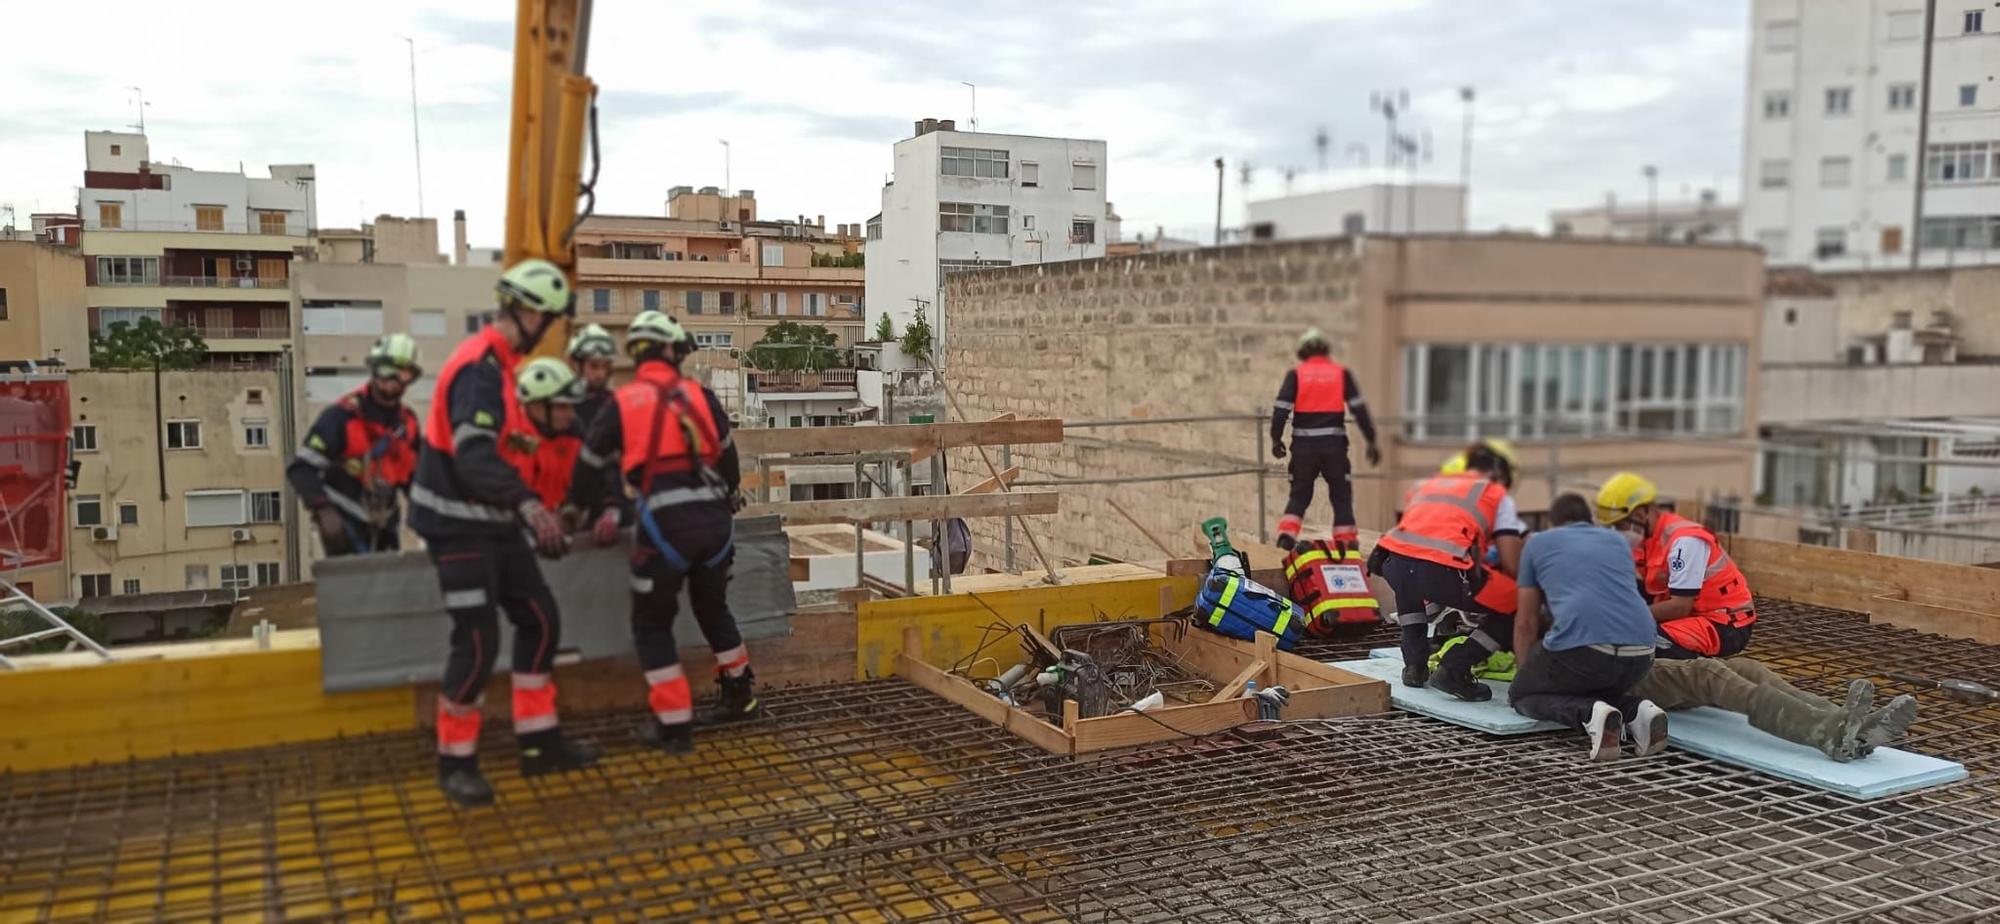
column 738, row 701
column 1415, row 675
column 466, row 788
column 672, row 739
column 1604, row 729
column 1459, row 684
column 559, row 755
column 1648, row 730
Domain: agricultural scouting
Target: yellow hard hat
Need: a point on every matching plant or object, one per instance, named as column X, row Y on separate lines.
column 1621, row 493
column 1454, row 465
column 1503, row 449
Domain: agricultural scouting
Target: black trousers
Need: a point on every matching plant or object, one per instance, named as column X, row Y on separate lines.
column 1321, row 460
column 656, row 587
column 1562, row 686
column 1418, row 583
column 480, row 577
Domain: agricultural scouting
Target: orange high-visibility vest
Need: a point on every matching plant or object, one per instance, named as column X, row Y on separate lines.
column 375, row 454
column 669, row 449
column 514, row 430
column 551, row 466
column 1322, row 387
column 1725, row 596
column 1447, row 519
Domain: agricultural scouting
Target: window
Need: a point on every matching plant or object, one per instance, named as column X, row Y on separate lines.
column 948, row 267
column 1968, row 95
column 340, row 317
column 270, row 221
column 1975, row 21
column 775, row 303
column 1902, row 96
column 1781, row 35
column 1775, row 174
column 1773, row 241
column 117, row 149
column 1830, row 242
column 1892, row 239
column 1839, row 100
column 128, row 513
column 875, row 229
column 1027, row 222
column 600, row 301
column 967, row 216
column 267, row 573
column 94, row 585
column 983, row 163
column 774, row 255
column 475, row 320
column 1031, row 174
column 693, row 302
column 208, row 218
column 798, row 421
column 3, row 304
column 183, row 434
column 83, row 438
column 128, row 271
column 195, row 577
column 1082, row 231
column 256, row 434
column 131, row 585
column 1834, row 172
column 1778, row 104
column 649, row 299
column 1906, row 25
column 1532, row 390
column 427, row 322
column 815, row 304
column 1083, row 176
column 110, row 214
column 1957, row 163
column 215, row 508
column 1899, row 168
column 1962, row 232
column 266, row 506
column 725, row 303
column 89, row 510
column 235, row 577
column 714, row 339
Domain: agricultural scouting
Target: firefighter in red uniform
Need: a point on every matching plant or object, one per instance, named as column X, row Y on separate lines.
column 670, row 439
column 550, row 394
column 1434, row 556
column 360, row 452
column 470, row 504
column 1316, row 397
column 1699, row 598
column 590, row 353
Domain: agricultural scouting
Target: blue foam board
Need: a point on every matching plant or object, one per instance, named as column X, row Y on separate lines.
column 1713, row 733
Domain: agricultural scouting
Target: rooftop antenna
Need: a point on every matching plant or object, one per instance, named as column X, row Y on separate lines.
column 142, row 104
column 974, row 121
column 726, row 187
column 1321, row 141
column 416, row 140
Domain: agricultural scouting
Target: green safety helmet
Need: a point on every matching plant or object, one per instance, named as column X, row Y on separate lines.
column 651, row 328
column 1312, row 337
column 592, row 342
column 393, row 353
column 536, row 285
column 546, row 379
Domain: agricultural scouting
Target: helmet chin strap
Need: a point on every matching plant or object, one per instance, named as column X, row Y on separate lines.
column 528, row 340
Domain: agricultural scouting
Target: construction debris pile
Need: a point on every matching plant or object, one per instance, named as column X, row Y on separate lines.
column 1105, row 667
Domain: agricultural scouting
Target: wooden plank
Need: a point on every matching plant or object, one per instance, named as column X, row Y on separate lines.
column 797, row 440
column 1048, row 648
column 1267, row 652
column 1942, row 620
column 885, row 509
column 924, row 454
column 1004, row 481
column 1955, row 600
column 799, row 569
column 1234, row 687
column 754, row 480
column 1169, row 723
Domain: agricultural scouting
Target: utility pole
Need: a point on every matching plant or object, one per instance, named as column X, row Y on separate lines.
column 727, row 186
column 1218, row 201
column 1387, row 104
column 416, row 140
column 1923, row 138
column 1652, row 201
column 1465, row 95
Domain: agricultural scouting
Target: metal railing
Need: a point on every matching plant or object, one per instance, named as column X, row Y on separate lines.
column 243, row 333
column 290, row 228
column 225, row 282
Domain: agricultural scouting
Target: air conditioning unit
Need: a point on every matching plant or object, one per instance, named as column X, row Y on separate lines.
column 241, row 534
column 104, row 534
column 245, row 264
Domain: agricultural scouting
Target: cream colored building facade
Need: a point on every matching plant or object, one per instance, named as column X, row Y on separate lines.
column 42, row 304
column 341, row 308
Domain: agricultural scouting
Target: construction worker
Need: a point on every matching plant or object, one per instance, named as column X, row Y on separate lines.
column 1434, row 556
column 360, row 452
column 671, row 439
column 1843, row 731
column 1316, row 396
column 470, row 503
column 1700, row 600
column 590, row 351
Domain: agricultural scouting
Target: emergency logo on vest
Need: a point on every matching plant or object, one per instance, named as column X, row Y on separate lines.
column 482, row 419
column 315, row 442
column 1343, row 579
column 1677, row 563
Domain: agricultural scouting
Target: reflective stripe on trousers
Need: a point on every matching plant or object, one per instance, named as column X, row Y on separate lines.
column 534, row 703
column 668, row 695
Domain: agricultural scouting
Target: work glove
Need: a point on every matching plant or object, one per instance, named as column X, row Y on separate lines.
column 737, row 501
column 332, row 530
column 605, row 531
column 1277, row 449
column 1374, row 455
column 546, row 527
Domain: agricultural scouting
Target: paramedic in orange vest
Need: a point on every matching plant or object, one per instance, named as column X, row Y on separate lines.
column 1434, row 555
column 1317, row 396
column 471, row 506
column 1700, row 600
column 360, row 453
column 669, row 438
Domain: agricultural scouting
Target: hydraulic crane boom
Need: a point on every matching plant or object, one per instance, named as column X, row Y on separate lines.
column 553, row 105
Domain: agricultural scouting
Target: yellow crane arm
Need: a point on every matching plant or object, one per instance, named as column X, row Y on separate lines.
column 552, row 99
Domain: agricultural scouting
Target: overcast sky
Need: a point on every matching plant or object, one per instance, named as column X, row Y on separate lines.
column 1573, row 96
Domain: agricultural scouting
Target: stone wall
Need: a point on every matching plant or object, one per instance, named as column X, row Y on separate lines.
column 1161, row 335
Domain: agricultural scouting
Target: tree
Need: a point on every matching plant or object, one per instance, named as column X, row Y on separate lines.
column 22, row 622
column 792, row 345
column 147, row 345
column 917, row 338
column 885, row 329
column 854, row 260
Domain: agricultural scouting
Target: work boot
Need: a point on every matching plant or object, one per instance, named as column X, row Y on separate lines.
column 555, row 754
column 1605, row 728
column 673, row 739
column 1286, row 541
column 1822, row 726
column 1415, row 674
column 465, row 787
column 1454, row 673
column 1860, row 701
column 738, row 701
column 1885, row 724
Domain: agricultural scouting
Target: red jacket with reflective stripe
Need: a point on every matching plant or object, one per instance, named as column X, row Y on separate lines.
column 1447, row 519
column 549, row 469
column 688, row 418
column 1725, row 596
column 397, row 463
column 514, row 429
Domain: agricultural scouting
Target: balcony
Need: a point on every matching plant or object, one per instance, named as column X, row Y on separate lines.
column 292, row 226
column 224, row 282
column 799, row 380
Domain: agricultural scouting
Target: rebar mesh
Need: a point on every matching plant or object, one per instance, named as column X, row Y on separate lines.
column 879, row 802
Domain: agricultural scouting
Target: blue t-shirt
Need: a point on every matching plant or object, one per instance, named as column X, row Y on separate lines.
column 1586, row 573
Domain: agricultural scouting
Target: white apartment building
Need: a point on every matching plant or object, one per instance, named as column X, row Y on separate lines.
column 1831, row 170
column 969, row 200
column 1374, row 208
column 1702, row 221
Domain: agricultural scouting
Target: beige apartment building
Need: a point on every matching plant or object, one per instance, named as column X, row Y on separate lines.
column 42, row 304
column 1592, row 356
column 341, row 308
